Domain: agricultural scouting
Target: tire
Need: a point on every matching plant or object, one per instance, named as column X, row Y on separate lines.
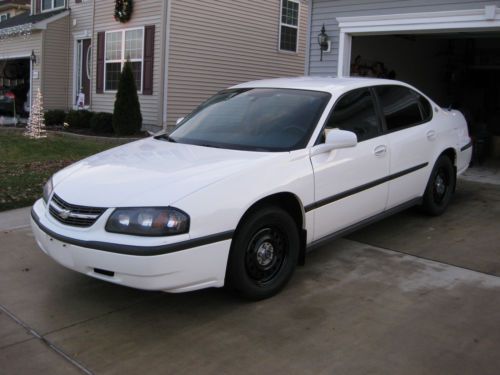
column 440, row 187
column 263, row 254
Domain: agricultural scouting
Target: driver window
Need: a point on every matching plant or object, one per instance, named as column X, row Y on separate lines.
column 355, row 111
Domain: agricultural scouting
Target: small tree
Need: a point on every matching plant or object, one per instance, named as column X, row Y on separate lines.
column 127, row 118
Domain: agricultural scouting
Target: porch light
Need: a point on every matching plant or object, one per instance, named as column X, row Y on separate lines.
column 323, row 39
column 33, row 57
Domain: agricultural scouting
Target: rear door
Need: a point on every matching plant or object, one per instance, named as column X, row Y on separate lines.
column 350, row 183
column 407, row 120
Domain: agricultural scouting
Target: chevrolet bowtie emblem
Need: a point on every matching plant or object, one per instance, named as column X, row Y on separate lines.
column 64, row 214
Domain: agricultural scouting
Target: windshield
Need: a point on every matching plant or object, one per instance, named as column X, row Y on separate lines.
column 254, row 119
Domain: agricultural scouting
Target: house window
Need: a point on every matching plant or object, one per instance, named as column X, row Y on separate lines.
column 52, row 4
column 121, row 46
column 289, row 25
column 4, row 17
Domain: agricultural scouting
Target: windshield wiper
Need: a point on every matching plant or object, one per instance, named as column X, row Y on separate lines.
column 165, row 137
column 207, row 145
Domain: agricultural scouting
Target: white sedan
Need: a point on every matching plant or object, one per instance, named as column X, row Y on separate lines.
column 252, row 179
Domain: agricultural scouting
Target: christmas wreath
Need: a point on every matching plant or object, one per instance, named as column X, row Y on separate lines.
column 123, row 10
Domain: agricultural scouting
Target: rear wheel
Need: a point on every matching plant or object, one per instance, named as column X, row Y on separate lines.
column 264, row 254
column 440, row 187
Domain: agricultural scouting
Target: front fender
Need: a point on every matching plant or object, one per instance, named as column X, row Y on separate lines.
column 220, row 206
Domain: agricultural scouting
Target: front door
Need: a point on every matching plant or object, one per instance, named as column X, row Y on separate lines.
column 350, row 183
column 83, row 72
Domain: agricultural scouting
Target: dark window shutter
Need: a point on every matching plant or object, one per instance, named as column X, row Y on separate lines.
column 78, row 1
column 149, row 52
column 99, row 88
column 38, row 6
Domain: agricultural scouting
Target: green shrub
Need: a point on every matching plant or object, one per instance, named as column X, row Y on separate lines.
column 54, row 117
column 127, row 118
column 102, row 123
column 79, row 119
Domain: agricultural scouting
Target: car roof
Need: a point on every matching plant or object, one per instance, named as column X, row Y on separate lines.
column 317, row 83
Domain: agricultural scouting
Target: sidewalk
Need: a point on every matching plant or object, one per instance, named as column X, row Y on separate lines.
column 15, row 219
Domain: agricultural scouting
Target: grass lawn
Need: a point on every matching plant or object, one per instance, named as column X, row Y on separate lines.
column 26, row 164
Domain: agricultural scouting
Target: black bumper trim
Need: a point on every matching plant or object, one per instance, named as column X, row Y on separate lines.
column 135, row 250
column 468, row 145
column 361, row 188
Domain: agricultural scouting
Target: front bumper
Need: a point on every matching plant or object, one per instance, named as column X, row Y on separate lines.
column 182, row 270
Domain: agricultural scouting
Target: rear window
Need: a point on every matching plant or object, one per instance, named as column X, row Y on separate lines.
column 402, row 107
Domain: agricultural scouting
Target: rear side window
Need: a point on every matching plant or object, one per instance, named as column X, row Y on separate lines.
column 402, row 107
column 426, row 108
column 355, row 111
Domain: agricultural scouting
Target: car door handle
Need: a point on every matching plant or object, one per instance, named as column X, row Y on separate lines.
column 380, row 150
column 431, row 135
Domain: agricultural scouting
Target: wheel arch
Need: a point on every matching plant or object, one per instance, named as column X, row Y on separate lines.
column 452, row 154
column 290, row 203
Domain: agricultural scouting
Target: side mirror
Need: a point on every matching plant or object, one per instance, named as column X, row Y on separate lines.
column 179, row 120
column 334, row 140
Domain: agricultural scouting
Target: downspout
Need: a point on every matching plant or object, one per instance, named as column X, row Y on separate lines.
column 165, row 66
column 308, row 43
column 31, row 85
column 70, row 70
column 94, row 55
column 41, row 69
column 162, row 63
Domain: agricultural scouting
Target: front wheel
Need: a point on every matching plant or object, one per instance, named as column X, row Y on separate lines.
column 440, row 187
column 264, row 254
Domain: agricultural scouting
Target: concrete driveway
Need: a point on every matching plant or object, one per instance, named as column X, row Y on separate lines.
column 384, row 301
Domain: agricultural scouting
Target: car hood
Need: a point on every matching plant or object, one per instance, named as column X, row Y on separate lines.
column 149, row 172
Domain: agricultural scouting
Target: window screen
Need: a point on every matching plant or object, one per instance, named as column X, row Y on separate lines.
column 289, row 25
column 355, row 111
column 121, row 46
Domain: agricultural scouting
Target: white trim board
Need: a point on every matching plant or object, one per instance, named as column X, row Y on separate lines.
column 485, row 19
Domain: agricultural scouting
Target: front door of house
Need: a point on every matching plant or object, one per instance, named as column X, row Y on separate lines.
column 83, row 72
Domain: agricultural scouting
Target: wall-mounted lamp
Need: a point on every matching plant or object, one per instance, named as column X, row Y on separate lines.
column 323, row 41
column 33, row 57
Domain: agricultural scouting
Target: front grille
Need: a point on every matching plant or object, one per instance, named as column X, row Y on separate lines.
column 71, row 214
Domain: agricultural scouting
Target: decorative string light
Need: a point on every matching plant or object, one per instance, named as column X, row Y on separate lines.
column 36, row 123
column 21, row 30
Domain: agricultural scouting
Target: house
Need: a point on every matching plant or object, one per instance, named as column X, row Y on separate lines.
column 182, row 51
column 448, row 49
column 11, row 8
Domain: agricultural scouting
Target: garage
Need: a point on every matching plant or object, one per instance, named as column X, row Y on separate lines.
column 457, row 70
column 14, row 90
column 453, row 56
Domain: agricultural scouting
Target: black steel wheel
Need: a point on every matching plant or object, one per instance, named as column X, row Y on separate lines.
column 440, row 187
column 263, row 254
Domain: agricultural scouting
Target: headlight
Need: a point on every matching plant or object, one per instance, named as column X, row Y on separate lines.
column 47, row 190
column 147, row 221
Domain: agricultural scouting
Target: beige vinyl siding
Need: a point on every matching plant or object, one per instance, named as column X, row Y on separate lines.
column 82, row 14
column 81, row 25
column 217, row 44
column 55, row 64
column 146, row 12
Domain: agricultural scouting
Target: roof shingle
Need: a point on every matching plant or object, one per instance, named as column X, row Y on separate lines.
column 26, row 18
